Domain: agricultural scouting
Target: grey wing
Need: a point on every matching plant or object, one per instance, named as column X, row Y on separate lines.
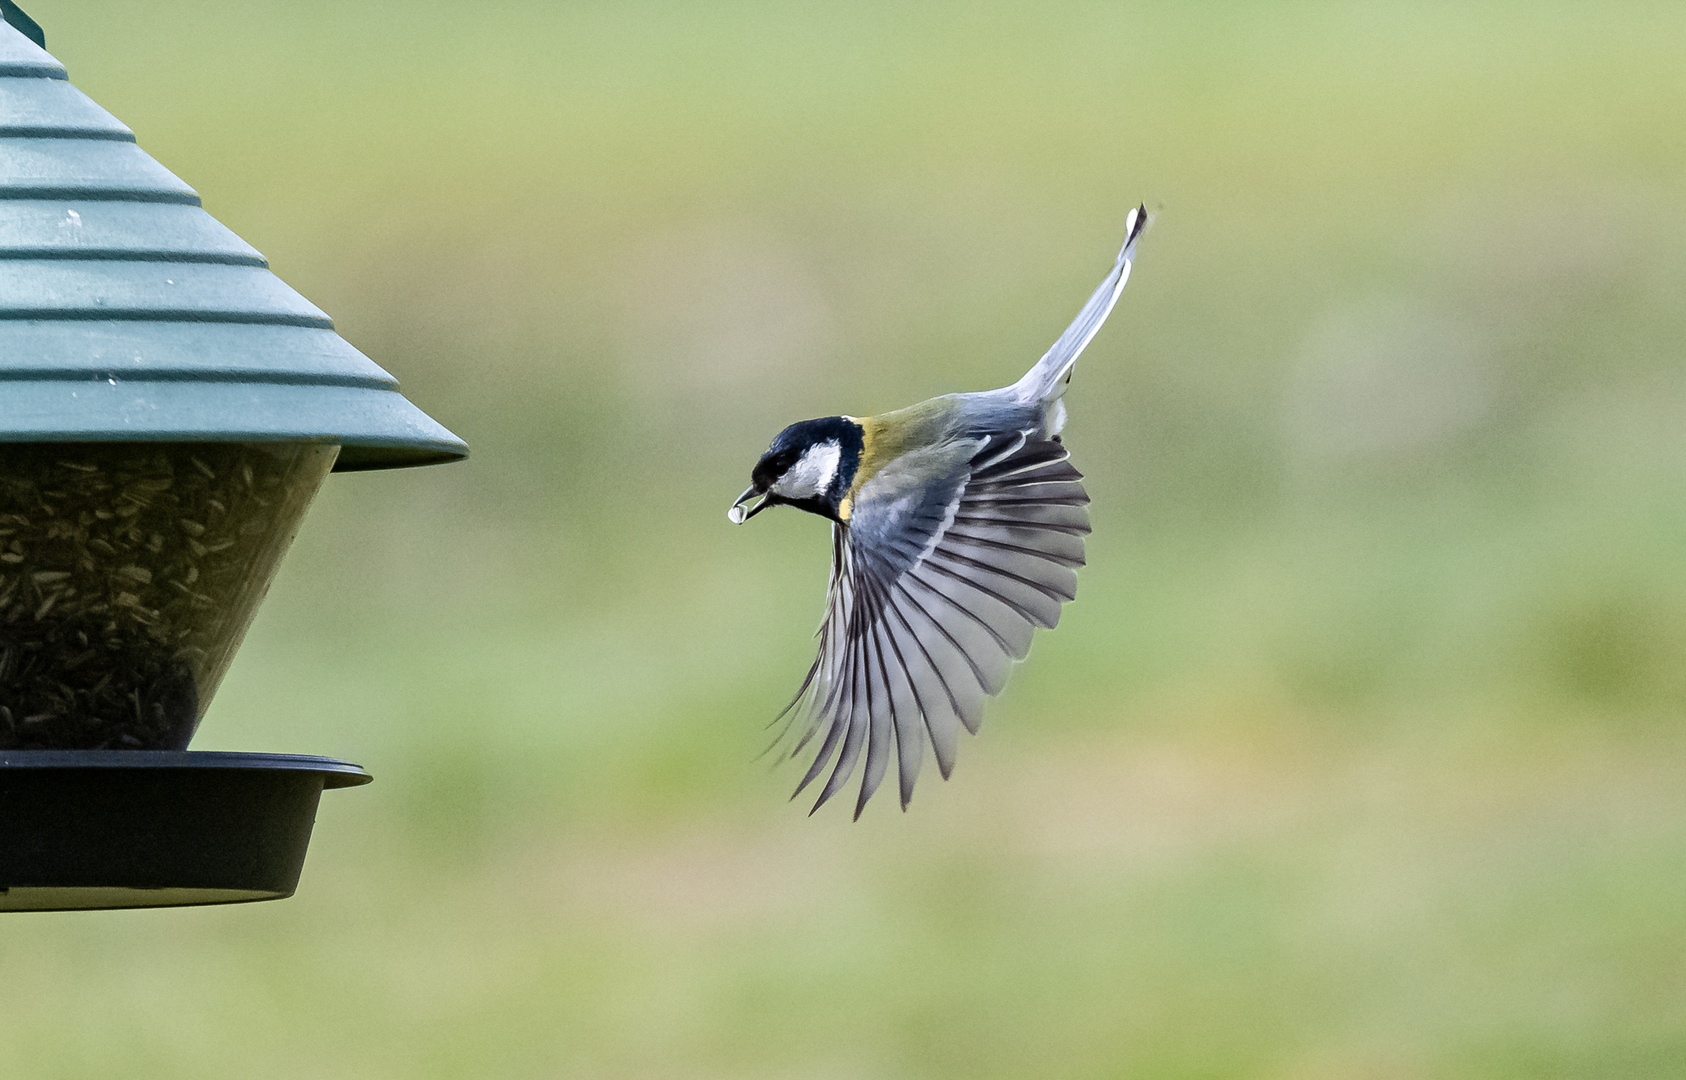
column 934, row 593
column 1046, row 380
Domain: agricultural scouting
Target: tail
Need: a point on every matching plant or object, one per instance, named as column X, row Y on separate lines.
column 1047, row 380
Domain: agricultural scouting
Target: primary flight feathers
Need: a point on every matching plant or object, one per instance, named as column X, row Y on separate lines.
column 958, row 525
column 1048, row 376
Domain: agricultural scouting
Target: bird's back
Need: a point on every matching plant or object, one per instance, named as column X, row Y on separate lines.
column 951, row 418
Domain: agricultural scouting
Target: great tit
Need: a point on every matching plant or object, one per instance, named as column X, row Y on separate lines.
column 957, row 528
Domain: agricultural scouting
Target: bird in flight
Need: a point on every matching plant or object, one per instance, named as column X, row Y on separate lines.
column 957, row 528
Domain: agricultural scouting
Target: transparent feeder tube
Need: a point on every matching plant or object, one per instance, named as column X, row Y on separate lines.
column 129, row 573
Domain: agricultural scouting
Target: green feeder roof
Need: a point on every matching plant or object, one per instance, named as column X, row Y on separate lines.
column 127, row 313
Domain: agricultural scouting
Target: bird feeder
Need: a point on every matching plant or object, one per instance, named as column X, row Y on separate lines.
column 168, row 408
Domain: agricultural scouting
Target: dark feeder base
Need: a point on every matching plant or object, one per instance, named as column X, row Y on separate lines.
column 84, row 829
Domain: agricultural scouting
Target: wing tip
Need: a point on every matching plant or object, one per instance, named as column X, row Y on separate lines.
column 1134, row 225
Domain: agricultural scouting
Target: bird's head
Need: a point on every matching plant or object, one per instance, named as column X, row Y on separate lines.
column 809, row 466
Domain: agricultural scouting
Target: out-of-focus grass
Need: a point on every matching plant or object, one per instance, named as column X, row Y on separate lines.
column 1359, row 756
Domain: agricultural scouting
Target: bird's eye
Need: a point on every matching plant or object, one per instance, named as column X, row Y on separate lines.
column 771, row 467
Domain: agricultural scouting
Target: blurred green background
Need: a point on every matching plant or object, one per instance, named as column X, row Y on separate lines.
column 1359, row 755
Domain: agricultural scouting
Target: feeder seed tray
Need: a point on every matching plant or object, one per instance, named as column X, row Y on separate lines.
column 137, row 828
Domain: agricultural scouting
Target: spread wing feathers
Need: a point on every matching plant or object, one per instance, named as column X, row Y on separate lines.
column 928, row 608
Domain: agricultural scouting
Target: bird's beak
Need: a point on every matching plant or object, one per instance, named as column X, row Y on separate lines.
column 739, row 514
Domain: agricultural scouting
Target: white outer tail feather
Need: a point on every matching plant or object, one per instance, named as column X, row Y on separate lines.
column 1046, row 381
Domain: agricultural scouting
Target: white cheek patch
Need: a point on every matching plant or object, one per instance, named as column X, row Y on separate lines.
column 812, row 473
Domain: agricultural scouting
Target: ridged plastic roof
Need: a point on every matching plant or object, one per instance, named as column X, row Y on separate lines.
column 127, row 313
